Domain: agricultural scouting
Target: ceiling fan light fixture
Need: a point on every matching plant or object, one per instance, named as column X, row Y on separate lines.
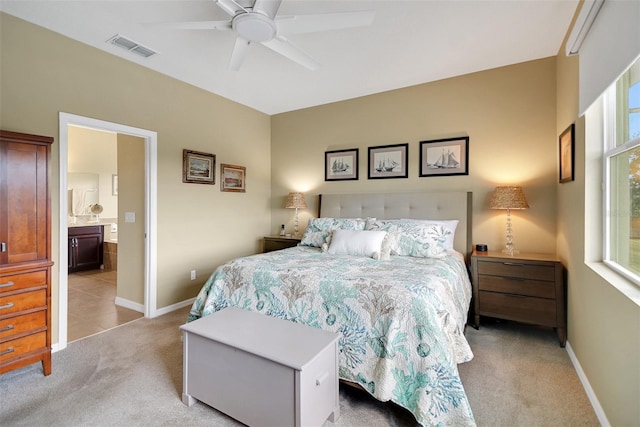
column 254, row 26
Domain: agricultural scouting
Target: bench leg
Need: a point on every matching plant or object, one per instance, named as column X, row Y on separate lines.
column 187, row 399
column 335, row 414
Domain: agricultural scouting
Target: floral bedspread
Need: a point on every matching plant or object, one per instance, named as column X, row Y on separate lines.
column 401, row 321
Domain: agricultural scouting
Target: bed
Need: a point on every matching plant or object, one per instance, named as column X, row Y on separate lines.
column 388, row 273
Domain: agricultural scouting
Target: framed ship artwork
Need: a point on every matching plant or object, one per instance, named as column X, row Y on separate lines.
column 388, row 161
column 341, row 165
column 444, row 157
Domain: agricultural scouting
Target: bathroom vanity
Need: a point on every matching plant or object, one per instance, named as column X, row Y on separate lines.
column 85, row 247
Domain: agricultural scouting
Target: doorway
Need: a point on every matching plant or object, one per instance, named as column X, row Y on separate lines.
column 98, row 298
column 149, row 214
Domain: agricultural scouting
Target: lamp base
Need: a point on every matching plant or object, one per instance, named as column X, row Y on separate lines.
column 510, row 251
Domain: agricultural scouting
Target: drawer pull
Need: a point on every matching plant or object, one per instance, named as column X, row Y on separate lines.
column 7, row 351
column 321, row 378
column 9, row 305
column 8, row 328
column 516, row 295
column 6, row 285
column 515, row 264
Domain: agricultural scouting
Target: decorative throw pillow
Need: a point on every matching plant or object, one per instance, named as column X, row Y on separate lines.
column 357, row 242
column 413, row 238
column 450, row 224
column 319, row 229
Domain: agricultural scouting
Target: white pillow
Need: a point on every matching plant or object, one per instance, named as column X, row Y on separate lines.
column 449, row 224
column 356, row 242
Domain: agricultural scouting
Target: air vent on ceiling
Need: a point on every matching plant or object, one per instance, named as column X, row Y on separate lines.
column 131, row 46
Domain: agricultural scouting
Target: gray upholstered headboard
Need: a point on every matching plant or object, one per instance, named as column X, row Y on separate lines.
column 436, row 205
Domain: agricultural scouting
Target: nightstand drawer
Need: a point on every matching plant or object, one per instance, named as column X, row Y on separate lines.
column 517, row 269
column 278, row 243
column 538, row 311
column 511, row 285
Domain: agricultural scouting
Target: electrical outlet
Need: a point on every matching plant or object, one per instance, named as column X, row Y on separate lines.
column 193, row 275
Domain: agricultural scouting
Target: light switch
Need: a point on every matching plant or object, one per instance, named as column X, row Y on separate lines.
column 129, row 217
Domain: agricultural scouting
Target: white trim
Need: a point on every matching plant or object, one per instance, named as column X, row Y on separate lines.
column 151, row 203
column 581, row 27
column 131, row 305
column 174, row 307
column 602, row 417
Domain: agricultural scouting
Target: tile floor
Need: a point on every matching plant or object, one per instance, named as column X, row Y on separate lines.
column 92, row 307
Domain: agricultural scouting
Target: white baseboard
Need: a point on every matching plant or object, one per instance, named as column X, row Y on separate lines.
column 174, row 307
column 602, row 417
column 130, row 305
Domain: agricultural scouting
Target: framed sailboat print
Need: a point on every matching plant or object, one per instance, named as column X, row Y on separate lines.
column 341, row 165
column 444, row 157
column 388, row 161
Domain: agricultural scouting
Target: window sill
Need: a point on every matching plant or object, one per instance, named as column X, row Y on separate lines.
column 621, row 283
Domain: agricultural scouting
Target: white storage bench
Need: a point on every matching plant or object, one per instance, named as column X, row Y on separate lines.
column 261, row 370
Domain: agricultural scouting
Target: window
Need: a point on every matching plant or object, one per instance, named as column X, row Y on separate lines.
column 622, row 174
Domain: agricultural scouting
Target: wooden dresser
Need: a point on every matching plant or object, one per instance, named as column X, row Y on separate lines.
column 25, row 251
column 528, row 288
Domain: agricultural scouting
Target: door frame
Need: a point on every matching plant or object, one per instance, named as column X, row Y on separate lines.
column 151, row 204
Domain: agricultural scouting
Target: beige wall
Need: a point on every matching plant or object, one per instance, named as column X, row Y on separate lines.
column 508, row 113
column 603, row 324
column 199, row 227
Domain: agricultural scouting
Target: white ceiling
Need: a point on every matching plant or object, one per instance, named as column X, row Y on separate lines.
column 410, row 42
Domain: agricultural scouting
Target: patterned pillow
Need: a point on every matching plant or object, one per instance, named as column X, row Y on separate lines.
column 451, row 224
column 319, row 229
column 413, row 238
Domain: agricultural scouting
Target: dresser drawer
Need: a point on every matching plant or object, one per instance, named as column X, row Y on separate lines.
column 15, row 282
column 23, row 301
column 517, row 269
column 20, row 346
column 510, row 285
column 24, row 323
column 539, row 311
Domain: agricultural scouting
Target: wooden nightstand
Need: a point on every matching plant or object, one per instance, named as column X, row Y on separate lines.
column 527, row 287
column 275, row 243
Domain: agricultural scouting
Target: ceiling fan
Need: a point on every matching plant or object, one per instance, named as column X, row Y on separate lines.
column 258, row 23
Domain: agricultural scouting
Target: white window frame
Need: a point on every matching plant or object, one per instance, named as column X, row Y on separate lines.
column 610, row 127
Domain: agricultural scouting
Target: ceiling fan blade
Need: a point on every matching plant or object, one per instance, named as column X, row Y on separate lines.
column 285, row 48
column 238, row 54
column 299, row 24
column 198, row 25
column 268, row 7
column 231, row 7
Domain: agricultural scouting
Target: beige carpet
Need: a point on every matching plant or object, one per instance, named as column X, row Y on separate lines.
column 132, row 376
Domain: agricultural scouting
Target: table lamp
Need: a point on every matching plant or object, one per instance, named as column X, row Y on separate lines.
column 295, row 201
column 508, row 197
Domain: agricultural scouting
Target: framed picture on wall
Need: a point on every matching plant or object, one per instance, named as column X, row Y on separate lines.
column 341, row 165
column 444, row 157
column 198, row 167
column 232, row 178
column 566, row 156
column 388, row 161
